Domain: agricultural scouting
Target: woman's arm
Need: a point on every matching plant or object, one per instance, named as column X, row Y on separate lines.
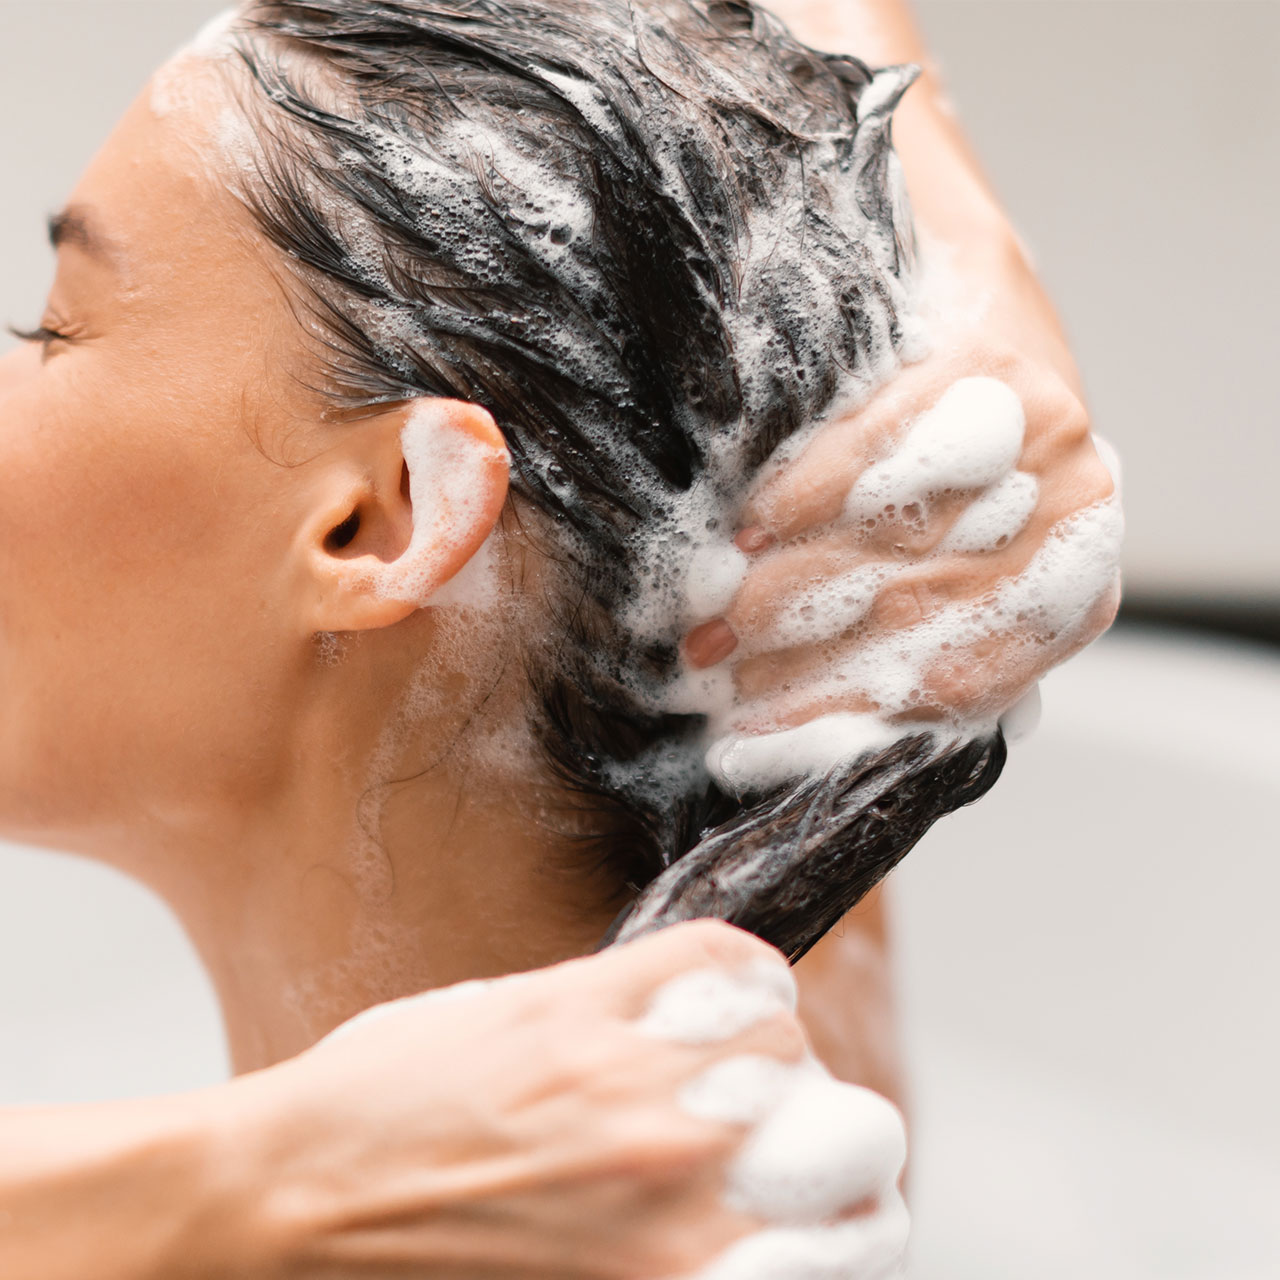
column 950, row 196
column 119, row 1190
column 526, row 1128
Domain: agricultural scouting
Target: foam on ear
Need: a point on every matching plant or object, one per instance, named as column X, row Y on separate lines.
column 458, row 468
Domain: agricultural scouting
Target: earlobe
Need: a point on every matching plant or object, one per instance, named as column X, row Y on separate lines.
column 383, row 547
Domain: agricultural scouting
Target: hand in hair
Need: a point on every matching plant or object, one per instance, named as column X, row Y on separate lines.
column 1017, row 338
column 798, row 534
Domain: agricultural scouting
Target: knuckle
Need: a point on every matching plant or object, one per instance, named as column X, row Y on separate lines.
column 1098, row 482
column 783, row 1036
column 1074, row 422
column 904, row 605
column 720, row 944
column 1056, row 413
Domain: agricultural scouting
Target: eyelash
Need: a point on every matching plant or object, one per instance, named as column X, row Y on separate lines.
column 43, row 335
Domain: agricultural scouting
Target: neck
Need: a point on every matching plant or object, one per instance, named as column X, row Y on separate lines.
column 336, row 894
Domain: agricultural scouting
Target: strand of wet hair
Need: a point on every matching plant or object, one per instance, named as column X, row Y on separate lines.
column 789, row 866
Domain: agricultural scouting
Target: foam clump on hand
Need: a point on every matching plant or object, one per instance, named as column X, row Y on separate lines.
column 969, row 440
column 745, row 762
column 820, row 1163
column 997, row 517
column 706, row 1006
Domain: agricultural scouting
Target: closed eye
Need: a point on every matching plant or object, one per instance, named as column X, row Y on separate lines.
column 45, row 335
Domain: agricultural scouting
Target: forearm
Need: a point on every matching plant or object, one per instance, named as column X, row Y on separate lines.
column 951, row 198
column 117, row 1191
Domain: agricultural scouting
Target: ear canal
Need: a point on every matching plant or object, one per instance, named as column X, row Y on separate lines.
column 342, row 535
column 457, row 466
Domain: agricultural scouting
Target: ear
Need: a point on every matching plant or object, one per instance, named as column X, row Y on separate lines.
column 400, row 505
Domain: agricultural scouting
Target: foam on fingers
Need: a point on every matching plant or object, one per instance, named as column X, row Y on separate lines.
column 970, row 439
column 708, row 1006
column 824, row 1148
column 820, row 1161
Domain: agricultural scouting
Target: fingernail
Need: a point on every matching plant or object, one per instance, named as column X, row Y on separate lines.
column 754, row 539
column 710, row 643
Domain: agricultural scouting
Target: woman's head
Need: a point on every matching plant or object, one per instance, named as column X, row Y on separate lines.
column 651, row 241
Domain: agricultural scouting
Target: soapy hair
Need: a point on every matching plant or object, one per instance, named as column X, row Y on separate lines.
column 655, row 239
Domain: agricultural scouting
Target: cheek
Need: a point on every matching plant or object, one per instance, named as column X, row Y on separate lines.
column 133, row 594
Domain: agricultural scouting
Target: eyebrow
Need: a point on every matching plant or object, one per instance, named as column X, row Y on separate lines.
column 75, row 226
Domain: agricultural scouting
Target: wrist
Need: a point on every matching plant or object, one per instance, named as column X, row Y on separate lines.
column 205, row 1165
column 994, row 297
column 118, row 1191
column 308, row 1166
column 253, row 1145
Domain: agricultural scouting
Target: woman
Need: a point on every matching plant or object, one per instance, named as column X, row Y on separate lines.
column 262, row 286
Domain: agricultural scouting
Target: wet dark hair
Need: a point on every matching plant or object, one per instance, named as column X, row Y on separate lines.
column 571, row 212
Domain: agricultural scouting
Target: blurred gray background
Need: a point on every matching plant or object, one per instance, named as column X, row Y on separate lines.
column 1089, row 958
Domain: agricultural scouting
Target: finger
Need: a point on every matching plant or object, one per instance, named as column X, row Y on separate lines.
column 950, row 578
column 800, row 598
column 775, row 1038
column 792, row 687
column 991, row 654
column 708, row 1005
column 810, row 491
column 624, row 977
column 979, row 679
column 988, row 678
column 810, row 592
column 769, row 610
column 913, row 529
column 814, row 489
column 805, row 593
column 821, row 676
column 819, row 587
